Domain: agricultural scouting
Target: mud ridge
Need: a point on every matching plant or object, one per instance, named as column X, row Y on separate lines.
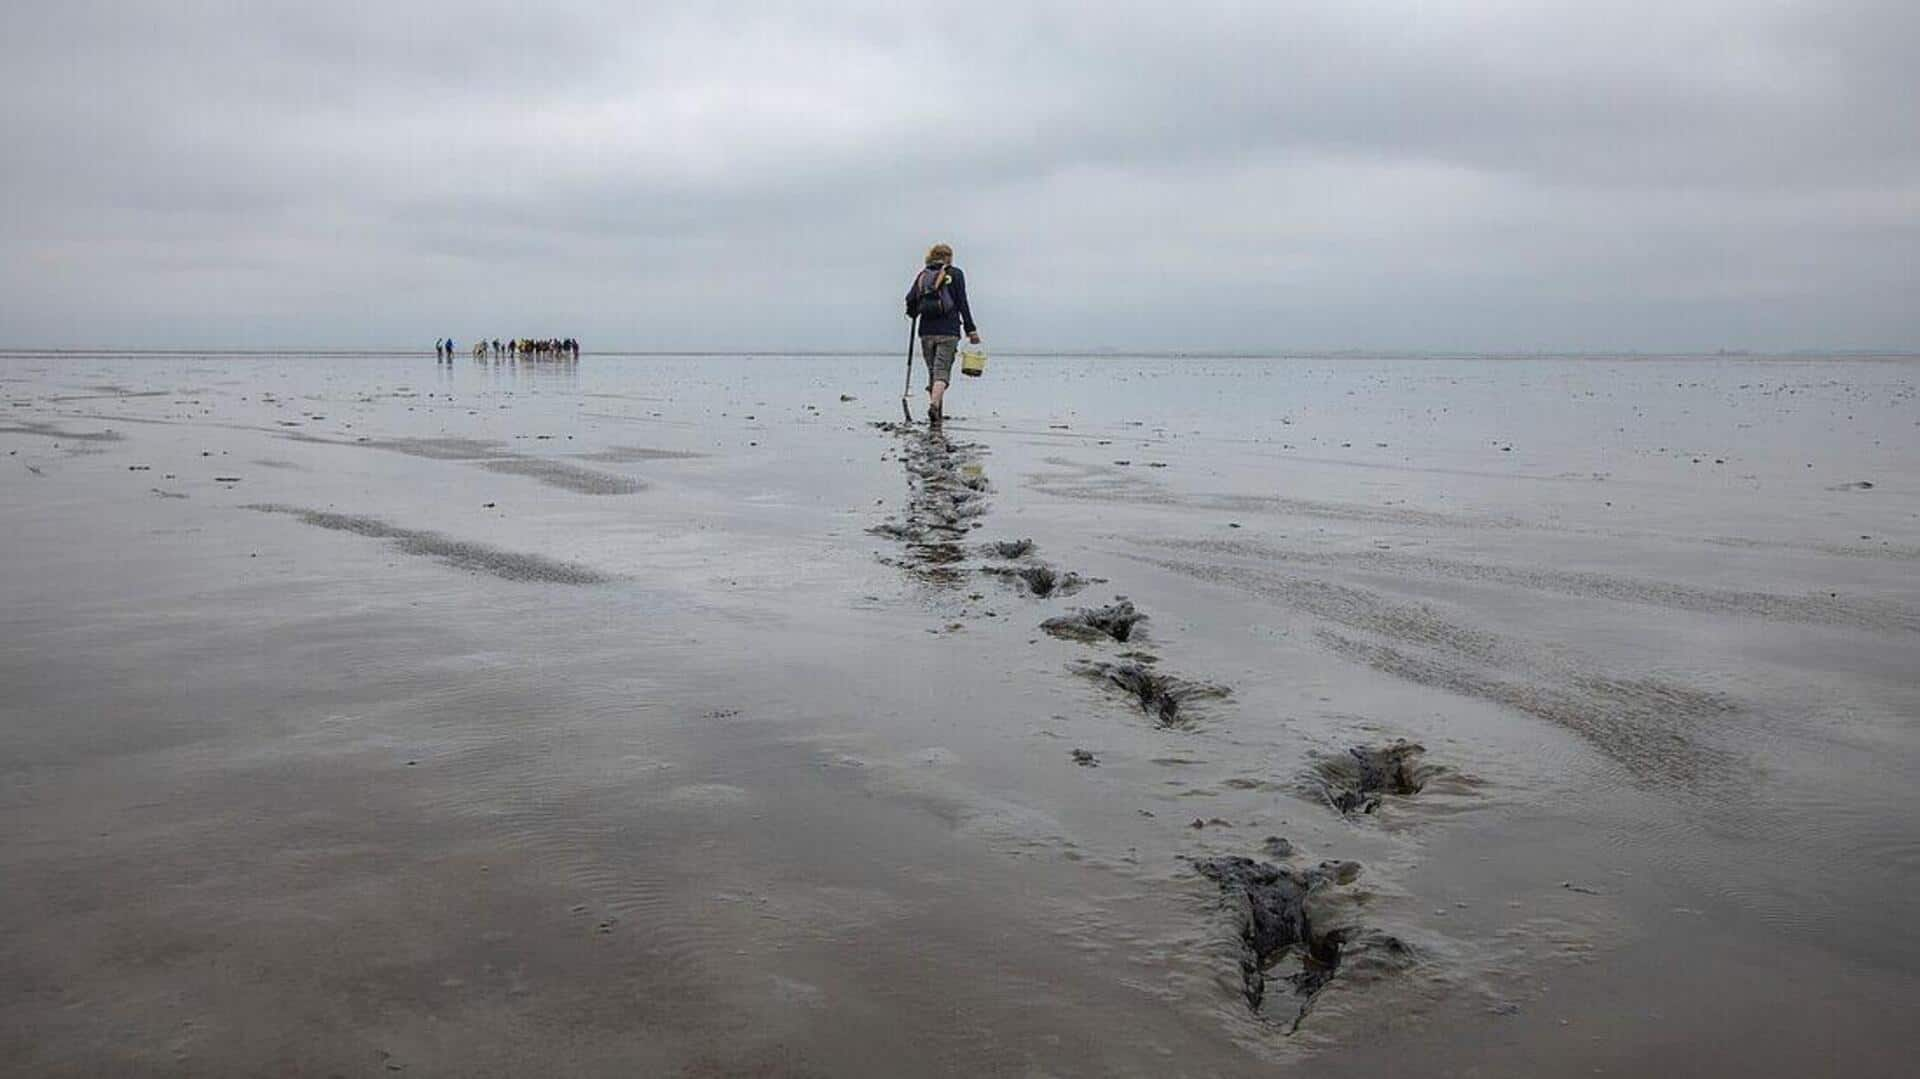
column 1354, row 608
column 1101, row 484
column 1816, row 609
column 1655, row 729
column 461, row 554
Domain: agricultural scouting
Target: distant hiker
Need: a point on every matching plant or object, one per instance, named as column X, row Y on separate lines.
column 938, row 299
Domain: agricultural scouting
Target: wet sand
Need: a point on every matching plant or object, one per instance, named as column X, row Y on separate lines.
column 681, row 716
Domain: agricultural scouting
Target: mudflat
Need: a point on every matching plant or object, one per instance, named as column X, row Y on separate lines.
column 661, row 715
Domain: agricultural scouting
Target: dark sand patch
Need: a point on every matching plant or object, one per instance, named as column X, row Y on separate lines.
column 567, row 477
column 50, row 430
column 437, row 449
column 109, row 394
column 461, row 554
column 626, row 455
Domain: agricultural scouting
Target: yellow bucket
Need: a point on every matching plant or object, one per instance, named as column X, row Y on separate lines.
column 973, row 361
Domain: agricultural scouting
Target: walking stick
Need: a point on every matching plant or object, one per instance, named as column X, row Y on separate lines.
column 906, row 388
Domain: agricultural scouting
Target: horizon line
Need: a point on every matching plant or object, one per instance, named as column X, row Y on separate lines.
column 1064, row 353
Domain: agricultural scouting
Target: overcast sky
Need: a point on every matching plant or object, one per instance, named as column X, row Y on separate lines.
column 1511, row 176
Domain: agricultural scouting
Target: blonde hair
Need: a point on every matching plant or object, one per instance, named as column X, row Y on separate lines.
column 940, row 253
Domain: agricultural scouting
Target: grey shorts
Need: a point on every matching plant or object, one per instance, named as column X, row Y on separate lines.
column 938, row 352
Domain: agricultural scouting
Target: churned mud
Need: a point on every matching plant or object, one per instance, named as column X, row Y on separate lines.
column 946, row 497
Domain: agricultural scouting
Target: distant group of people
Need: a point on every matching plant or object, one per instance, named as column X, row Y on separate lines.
column 531, row 348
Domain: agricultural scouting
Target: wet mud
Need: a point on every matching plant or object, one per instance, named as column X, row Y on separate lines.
column 1116, row 622
column 460, row 554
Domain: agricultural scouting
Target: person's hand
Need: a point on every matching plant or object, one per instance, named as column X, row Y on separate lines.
column 973, row 338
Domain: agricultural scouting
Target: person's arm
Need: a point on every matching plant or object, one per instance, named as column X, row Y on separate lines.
column 913, row 292
column 966, row 312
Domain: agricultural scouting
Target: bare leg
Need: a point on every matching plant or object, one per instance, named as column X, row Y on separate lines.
column 935, row 394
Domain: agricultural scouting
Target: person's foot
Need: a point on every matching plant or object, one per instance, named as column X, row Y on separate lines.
column 935, row 414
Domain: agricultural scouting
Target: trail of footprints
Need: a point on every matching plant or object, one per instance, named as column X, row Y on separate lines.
column 1295, row 922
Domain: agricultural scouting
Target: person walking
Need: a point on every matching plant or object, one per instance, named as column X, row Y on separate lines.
column 938, row 298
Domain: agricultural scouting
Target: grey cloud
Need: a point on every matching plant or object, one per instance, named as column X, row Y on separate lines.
column 1690, row 174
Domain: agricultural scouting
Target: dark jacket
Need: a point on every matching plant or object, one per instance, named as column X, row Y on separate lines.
column 949, row 325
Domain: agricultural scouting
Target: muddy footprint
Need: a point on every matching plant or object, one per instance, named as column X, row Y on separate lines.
column 1041, row 580
column 1010, row 549
column 1115, row 621
column 1356, row 781
column 1285, row 917
column 1161, row 696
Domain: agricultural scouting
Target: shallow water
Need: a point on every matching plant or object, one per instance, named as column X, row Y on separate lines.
column 664, row 715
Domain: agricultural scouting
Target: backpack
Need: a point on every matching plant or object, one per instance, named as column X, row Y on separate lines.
column 932, row 297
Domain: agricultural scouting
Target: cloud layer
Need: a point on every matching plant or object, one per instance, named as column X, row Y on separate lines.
column 1430, row 176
